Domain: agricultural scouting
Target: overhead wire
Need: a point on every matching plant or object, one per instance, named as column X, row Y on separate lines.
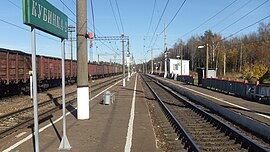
column 25, row 29
column 238, row 9
column 151, row 17
column 158, row 22
column 93, row 17
column 119, row 16
column 268, row 16
column 114, row 17
column 94, row 28
column 15, row 4
column 243, row 16
column 73, row 2
column 174, row 16
column 210, row 18
column 70, row 11
column 67, row 7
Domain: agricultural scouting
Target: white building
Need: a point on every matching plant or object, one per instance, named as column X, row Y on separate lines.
column 175, row 66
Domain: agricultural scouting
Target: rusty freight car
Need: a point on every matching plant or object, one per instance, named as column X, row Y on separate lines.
column 16, row 66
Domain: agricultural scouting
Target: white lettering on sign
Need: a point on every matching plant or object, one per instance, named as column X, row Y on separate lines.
column 48, row 16
column 34, row 11
column 45, row 14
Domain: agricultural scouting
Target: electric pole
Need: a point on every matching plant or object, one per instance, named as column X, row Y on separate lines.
column 82, row 65
column 123, row 59
column 152, row 62
column 165, row 52
column 128, row 61
column 71, row 29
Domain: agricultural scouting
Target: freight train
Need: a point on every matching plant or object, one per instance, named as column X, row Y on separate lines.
column 16, row 67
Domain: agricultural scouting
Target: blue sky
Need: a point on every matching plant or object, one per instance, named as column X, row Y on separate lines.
column 135, row 15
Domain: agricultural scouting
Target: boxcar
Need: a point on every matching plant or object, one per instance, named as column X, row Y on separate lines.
column 16, row 66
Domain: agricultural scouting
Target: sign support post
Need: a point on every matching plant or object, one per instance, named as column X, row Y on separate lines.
column 36, row 134
column 54, row 22
column 64, row 145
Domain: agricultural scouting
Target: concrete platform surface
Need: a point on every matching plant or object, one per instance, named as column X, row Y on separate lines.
column 124, row 125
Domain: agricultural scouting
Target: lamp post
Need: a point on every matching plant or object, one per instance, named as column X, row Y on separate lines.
column 152, row 62
column 145, row 66
column 166, row 55
column 180, row 64
column 159, row 67
column 155, row 66
column 206, row 64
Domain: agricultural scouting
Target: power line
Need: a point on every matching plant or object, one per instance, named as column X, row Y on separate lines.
column 159, row 22
column 73, row 2
column 67, row 7
column 25, row 29
column 15, row 4
column 95, row 29
column 209, row 18
column 243, row 16
column 70, row 11
column 238, row 9
column 246, row 27
column 174, row 16
column 119, row 16
column 152, row 17
column 114, row 17
column 93, row 17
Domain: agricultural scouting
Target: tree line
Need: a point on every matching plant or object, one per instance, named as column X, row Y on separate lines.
column 247, row 54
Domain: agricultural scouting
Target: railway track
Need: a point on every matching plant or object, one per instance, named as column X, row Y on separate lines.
column 197, row 129
column 13, row 121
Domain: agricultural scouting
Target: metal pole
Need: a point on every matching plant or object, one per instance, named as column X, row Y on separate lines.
column 152, row 62
column 128, row 62
column 82, row 65
column 241, row 57
column 224, row 70
column 156, row 67
column 71, row 29
column 206, row 68
column 71, row 54
column 31, row 85
column 160, row 65
column 123, row 60
column 165, row 74
column 35, row 102
column 64, row 145
column 165, row 49
column 181, row 59
column 145, row 66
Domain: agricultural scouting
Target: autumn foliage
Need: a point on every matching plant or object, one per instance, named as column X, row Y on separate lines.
column 248, row 54
column 254, row 71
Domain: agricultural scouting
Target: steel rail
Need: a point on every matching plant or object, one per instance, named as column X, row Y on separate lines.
column 191, row 145
column 29, row 121
column 246, row 142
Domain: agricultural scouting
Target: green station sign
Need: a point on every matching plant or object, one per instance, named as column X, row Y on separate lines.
column 44, row 16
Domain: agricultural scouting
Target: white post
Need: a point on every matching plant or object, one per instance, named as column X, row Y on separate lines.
column 35, row 102
column 152, row 62
column 31, row 85
column 64, row 145
column 165, row 74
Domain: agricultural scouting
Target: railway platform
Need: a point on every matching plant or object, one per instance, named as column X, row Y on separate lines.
column 124, row 125
column 254, row 110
